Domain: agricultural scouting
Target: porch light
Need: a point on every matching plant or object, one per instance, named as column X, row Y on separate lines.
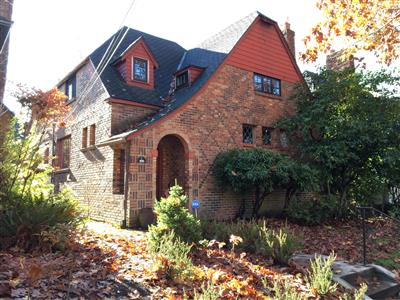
column 141, row 159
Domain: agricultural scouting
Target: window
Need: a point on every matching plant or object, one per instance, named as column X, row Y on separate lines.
column 140, row 69
column 46, row 155
column 182, row 80
column 267, row 84
column 92, row 140
column 63, row 152
column 119, row 171
column 247, row 134
column 284, row 140
column 84, row 137
column 70, row 88
column 267, row 135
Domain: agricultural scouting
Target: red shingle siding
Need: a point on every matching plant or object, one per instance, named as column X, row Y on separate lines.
column 138, row 50
column 261, row 50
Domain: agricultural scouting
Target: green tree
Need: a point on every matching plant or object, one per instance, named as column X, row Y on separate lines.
column 262, row 171
column 348, row 127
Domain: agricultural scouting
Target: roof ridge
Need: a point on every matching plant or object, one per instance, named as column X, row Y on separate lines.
column 229, row 35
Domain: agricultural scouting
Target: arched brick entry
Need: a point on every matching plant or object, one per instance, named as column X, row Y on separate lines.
column 171, row 164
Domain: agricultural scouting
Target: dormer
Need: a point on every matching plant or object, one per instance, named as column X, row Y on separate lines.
column 137, row 64
column 186, row 76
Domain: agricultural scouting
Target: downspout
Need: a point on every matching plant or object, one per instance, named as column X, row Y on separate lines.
column 126, row 182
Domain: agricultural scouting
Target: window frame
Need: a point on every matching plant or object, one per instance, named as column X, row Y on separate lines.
column 63, row 152
column 71, row 81
column 251, row 127
column 263, row 83
column 134, row 59
column 84, row 137
column 270, row 129
column 92, row 135
column 182, row 75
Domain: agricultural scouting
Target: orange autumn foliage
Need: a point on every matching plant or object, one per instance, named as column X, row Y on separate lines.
column 368, row 25
column 46, row 107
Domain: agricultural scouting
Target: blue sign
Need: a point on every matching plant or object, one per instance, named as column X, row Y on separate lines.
column 195, row 204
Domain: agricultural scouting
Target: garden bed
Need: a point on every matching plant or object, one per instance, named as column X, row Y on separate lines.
column 104, row 261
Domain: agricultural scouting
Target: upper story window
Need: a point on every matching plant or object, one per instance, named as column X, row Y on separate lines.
column 267, row 135
column 70, row 88
column 84, row 137
column 267, row 84
column 247, row 134
column 182, row 80
column 92, row 138
column 140, row 69
column 63, row 152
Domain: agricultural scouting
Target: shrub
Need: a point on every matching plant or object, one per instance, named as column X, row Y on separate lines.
column 320, row 276
column 359, row 294
column 284, row 291
column 172, row 215
column 24, row 218
column 171, row 256
column 261, row 171
column 208, row 292
column 221, row 231
column 313, row 212
column 256, row 238
column 280, row 245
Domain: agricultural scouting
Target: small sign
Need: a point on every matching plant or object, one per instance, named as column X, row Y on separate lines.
column 195, row 204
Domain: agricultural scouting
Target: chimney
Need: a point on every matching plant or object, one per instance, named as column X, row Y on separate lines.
column 289, row 36
column 336, row 61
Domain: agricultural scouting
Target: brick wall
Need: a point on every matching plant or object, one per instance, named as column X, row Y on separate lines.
column 209, row 124
column 5, row 12
column 91, row 170
column 124, row 117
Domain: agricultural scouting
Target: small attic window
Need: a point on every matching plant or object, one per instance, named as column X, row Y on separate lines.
column 182, row 80
column 140, row 69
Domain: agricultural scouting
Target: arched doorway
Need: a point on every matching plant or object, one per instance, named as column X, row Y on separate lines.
column 171, row 164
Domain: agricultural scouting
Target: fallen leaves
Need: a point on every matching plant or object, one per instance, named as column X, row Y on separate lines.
column 106, row 262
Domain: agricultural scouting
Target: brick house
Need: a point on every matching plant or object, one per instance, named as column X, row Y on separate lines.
column 5, row 25
column 147, row 112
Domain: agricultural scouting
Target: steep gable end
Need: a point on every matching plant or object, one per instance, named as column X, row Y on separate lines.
column 137, row 52
column 262, row 49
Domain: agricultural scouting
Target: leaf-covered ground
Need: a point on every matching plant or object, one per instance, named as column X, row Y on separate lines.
column 105, row 262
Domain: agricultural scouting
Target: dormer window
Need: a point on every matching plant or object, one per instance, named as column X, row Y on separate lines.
column 182, row 80
column 140, row 69
column 70, row 88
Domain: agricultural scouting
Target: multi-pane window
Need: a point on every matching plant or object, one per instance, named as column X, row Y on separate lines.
column 267, row 135
column 284, row 140
column 84, row 137
column 70, row 88
column 182, row 80
column 247, row 134
column 140, row 69
column 64, row 152
column 267, row 84
column 92, row 139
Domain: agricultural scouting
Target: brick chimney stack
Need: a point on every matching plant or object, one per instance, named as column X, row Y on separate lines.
column 289, row 36
column 336, row 62
column 6, row 7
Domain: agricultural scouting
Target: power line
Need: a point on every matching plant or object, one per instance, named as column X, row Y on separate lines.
column 108, row 54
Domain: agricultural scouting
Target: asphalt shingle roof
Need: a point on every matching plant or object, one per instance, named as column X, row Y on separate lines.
column 171, row 58
column 168, row 54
